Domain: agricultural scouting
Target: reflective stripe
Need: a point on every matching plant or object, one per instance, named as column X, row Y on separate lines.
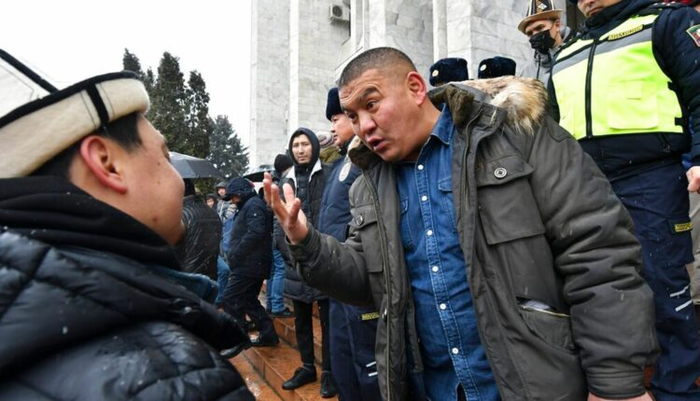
column 685, row 305
column 620, row 97
column 679, row 293
column 570, row 61
column 608, row 46
column 629, row 26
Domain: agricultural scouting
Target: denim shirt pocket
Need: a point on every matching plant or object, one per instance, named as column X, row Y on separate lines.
column 406, row 230
column 446, row 200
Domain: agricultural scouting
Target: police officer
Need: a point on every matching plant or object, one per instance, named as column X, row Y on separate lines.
column 628, row 88
column 352, row 329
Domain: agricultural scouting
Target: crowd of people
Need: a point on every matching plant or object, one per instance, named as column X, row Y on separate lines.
column 514, row 238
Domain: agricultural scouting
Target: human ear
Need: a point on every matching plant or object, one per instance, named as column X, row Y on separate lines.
column 100, row 156
column 416, row 86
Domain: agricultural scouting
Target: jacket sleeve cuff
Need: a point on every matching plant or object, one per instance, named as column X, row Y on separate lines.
column 307, row 247
column 617, row 386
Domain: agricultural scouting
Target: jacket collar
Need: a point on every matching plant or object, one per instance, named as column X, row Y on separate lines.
column 613, row 16
column 292, row 172
column 54, row 211
column 489, row 103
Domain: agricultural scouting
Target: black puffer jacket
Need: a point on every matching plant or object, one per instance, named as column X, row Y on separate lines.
column 250, row 253
column 85, row 316
column 294, row 287
column 199, row 248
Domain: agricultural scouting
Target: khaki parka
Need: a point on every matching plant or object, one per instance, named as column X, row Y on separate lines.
column 537, row 222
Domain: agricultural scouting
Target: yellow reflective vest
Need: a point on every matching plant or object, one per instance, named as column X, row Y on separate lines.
column 613, row 85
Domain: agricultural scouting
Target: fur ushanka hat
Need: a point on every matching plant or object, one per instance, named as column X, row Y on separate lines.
column 39, row 121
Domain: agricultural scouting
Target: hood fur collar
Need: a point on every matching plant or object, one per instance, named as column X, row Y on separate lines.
column 523, row 101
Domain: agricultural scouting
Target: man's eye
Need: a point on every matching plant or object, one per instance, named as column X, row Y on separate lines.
column 370, row 105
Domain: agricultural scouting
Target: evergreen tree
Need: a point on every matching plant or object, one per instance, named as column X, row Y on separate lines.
column 149, row 81
column 198, row 121
column 168, row 104
column 132, row 63
column 226, row 150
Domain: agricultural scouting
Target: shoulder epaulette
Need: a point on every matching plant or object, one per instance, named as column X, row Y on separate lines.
column 658, row 8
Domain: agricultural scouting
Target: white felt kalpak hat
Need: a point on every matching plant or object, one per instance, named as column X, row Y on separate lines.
column 38, row 121
column 539, row 10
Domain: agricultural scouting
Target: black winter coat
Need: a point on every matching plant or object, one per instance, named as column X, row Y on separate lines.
column 80, row 321
column 199, row 248
column 250, row 252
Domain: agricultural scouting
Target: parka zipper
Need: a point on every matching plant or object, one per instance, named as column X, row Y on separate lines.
column 387, row 279
column 589, row 76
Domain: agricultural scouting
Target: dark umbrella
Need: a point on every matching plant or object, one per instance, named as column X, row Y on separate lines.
column 193, row 167
column 256, row 174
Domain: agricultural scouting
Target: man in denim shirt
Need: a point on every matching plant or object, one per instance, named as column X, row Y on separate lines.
column 500, row 261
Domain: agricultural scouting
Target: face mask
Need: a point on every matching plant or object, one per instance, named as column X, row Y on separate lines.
column 542, row 42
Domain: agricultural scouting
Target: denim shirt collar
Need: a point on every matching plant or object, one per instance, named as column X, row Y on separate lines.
column 444, row 128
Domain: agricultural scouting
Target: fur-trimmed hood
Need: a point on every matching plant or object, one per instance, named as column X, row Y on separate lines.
column 522, row 100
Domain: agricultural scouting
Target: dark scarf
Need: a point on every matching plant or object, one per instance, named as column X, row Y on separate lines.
column 56, row 212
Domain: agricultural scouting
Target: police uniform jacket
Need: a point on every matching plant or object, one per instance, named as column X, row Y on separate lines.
column 675, row 43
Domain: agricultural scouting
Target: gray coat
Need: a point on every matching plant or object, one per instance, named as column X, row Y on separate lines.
column 548, row 230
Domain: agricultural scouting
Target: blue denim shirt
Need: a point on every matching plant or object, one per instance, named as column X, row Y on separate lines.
column 446, row 322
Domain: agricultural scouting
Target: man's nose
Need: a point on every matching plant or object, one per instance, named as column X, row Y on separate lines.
column 367, row 124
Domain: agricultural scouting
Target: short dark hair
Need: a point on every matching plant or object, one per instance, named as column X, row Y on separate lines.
column 380, row 57
column 123, row 131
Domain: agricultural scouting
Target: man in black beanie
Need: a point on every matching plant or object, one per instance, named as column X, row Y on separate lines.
column 352, row 328
column 451, row 69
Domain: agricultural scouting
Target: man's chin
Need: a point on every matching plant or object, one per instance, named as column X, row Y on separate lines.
column 594, row 12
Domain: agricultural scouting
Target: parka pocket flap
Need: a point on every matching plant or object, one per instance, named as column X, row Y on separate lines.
column 362, row 216
column 501, row 171
column 553, row 328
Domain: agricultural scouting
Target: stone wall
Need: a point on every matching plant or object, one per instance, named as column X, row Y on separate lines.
column 269, row 74
column 315, row 41
column 298, row 51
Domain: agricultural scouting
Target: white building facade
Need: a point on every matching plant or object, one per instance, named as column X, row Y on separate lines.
column 299, row 48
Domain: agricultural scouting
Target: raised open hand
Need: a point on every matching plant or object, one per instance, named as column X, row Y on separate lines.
column 288, row 212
